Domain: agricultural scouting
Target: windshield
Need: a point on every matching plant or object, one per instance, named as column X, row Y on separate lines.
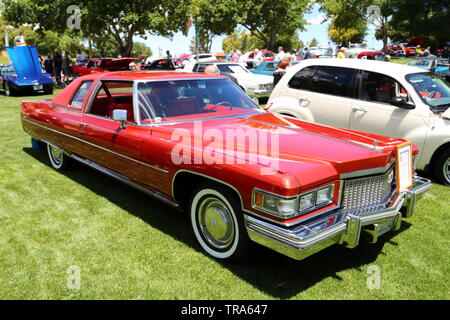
column 358, row 46
column 434, row 91
column 188, row 100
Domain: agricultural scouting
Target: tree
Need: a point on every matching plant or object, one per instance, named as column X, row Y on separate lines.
column 205, row 38
column 348, row 19
column 141, row 49
column 113, row 21
column 428, row 18
column 314, row 43
column 242, row 41
column 266, row 20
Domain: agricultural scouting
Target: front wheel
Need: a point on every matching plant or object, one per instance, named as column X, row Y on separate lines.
column 442, row 167
column 48, row 88
column 217, row 222
column 58, row 159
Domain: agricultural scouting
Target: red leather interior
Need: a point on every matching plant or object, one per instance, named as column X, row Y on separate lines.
column 181, row 107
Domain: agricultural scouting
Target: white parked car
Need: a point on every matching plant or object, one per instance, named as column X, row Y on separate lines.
column 256, row 85
column 376, row 97
column 356, row 48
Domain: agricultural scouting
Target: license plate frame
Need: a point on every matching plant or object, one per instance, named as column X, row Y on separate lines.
column 38, row 87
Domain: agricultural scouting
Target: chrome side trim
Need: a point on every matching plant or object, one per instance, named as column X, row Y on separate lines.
column 146, row 189
column 97, row 146
column 210, row 178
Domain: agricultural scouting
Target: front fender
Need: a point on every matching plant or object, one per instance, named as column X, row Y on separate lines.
column 290, row 106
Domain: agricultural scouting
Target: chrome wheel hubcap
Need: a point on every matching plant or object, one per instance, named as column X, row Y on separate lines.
column 216, row 223
column 446, row 170
column 57, row 155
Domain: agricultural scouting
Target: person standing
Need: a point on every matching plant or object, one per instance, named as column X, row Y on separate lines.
column 280, row 70
column 57, row 62
column 48, row 65
column 426, row 52
column 307, row 54
column 280, row 54
column 168, row 55
column 258, row 57
column 65, row 65
column 341, row 53
column 80, row 58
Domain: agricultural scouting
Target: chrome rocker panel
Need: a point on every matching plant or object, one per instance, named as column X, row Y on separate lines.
column 347, row 231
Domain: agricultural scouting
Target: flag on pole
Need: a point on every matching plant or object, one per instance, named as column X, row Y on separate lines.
column 188, row 25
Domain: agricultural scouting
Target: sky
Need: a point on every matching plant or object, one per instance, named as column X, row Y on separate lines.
column 179, row 44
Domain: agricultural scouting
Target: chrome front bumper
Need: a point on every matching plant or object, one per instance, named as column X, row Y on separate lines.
column 306, row 239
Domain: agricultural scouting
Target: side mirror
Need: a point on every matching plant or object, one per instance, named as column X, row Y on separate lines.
column 121, row 116
column 401, row 103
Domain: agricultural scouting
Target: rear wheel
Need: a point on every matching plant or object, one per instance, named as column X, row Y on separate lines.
column 442, row 167
column 10, row 92
column 58, row 159
column 217, row 222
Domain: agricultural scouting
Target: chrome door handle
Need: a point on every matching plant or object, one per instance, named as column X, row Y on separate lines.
column 303, row 101
column 361, row 109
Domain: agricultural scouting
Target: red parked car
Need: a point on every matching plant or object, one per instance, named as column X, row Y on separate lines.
column 97, row 65
column 197, row 142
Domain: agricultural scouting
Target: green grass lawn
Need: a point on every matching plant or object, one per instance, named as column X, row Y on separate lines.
column 129, row 246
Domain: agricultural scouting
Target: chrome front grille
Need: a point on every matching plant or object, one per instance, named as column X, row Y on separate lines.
column 368, row 194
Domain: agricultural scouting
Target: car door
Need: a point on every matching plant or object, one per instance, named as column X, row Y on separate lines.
column 373, row 112
column 325, row 92
column 67, row 118
column 106, row 142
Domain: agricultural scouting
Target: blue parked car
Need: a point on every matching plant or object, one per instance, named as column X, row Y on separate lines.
column 267, row 68
column 436, row 65
column 25, row 73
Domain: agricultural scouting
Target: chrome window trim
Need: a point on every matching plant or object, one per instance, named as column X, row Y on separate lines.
column 138, row 115
column 97, row 146
column 95, row 92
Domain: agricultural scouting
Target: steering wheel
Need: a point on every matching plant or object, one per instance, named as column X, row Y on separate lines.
column 222, row 103
column 431, row 94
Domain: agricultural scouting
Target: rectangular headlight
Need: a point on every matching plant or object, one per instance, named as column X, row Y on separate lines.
column 276, row 205
column 325, row 195
column 307, row 201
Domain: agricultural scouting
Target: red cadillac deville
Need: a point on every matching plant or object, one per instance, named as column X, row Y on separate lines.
column 198, row 143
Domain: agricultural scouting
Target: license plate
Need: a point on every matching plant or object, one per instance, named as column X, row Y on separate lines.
column 37, row 88
column 385, row 227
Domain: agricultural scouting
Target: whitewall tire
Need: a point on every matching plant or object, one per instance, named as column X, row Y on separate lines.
column 217, row 223
column 58, row 159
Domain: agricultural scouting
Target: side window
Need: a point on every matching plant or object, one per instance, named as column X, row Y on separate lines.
column 299, row 80
column 78, row 98
column 201, row 67
column 224, row 69
column 377, row 87
column 333, row 80
column 113, row 95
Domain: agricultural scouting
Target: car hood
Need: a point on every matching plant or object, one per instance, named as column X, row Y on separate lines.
column 417, row 41
column 253, row 77
column 26, row 62
column 119, row 62
column 313, row 153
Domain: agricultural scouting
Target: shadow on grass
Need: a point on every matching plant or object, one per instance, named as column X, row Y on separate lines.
column 270, row 272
